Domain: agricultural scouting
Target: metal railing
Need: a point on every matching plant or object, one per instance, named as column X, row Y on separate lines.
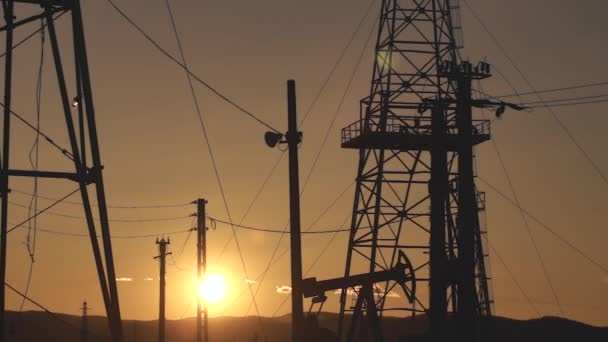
column 406, row 125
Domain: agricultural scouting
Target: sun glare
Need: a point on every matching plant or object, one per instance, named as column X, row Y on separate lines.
column 213, row 288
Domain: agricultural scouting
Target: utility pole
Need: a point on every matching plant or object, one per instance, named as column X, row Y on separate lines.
column 293, row 139
column 162, row 250
column 84, row 327
column 201, row 259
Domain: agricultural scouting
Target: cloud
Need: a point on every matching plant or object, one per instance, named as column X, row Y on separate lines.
column 250, row 281
column 148, row 278
column 124, row 279
column 283, row 289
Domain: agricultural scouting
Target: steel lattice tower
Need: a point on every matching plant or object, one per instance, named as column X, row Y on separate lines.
column 415, row 197
column 83, row 152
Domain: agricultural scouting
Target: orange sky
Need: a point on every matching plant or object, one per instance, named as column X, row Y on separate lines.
column 153, row 151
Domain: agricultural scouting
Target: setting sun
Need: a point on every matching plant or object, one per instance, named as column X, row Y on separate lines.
column 213, row 288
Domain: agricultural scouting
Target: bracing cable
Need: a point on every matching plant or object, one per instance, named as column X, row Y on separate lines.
column 133, row 206
column 548, row 106
column 341, row 56
column 63, row 151
column 210, row 149
column 317, row 156
column 559, row 122
column 308, row 111
column 47, row 311
column 42, row 211
column 546, row 227
column 539, row 256
column 315, row 262
column 32, row 35
column 544, row 91
column 161, row 219
column 514, row 279
column 184, row 66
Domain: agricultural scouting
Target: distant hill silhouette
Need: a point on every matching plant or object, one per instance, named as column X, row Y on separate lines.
column 34, row 326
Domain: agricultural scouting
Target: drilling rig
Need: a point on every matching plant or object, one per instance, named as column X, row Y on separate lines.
column 416, row 240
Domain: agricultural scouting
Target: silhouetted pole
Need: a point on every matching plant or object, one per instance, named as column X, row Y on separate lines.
column 201, row 256
column 439, row 186
column 162, row 250
column 8, row 17
column 84, row 326
column 467, row 211
column 293, row 139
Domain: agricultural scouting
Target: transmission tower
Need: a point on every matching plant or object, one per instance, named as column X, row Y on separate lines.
column 83, row 152
column 415, row 202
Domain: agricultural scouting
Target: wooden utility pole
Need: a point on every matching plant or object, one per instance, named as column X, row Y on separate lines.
column 202, row 329
column 293, row 139
column 162, row 250
column 84, row 326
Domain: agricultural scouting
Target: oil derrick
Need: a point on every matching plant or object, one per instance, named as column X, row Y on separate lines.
column 415, row 201
column 83, row 152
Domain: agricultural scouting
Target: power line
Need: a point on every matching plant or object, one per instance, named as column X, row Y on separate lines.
column 547, row 228
column 183, row 65
column 335, row 66
column 175, row 259
column 33, row 34
column 566, row 100
column 527, row 226
column 273, row 261
column 41, row 211
column 159, row 206
column 550, row 105
column 515, row 281
column 324, row 142
column 162, row 219
column 46, row 310
column 339, row 107
column 208, row 142
column 279, row 231
column 137, row 236
column 252, row 203
column 559, row 122
column 570, row 101
column 63, row 151
column 314, row 263
column 582, row 86
column 314, row 102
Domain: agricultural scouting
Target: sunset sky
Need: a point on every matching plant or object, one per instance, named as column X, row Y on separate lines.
column 154, row 153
